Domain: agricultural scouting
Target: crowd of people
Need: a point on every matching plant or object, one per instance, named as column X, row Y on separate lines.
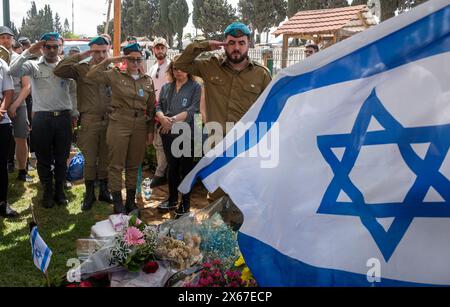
column 119, row 108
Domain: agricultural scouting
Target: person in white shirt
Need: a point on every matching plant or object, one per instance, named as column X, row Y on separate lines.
column 6, row 98
column 158, row 74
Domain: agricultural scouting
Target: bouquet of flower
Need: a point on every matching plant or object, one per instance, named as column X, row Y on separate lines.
column 134, row 246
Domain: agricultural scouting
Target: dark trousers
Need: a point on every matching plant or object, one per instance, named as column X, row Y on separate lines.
column 52, row 139
column 178, row 168
column 5, row 139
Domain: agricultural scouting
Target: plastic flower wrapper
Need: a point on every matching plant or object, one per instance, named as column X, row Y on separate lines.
column 213, row 227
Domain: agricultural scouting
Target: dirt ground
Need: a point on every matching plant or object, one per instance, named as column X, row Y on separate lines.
column 150, row 213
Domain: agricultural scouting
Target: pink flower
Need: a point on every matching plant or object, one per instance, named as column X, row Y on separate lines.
column 134, row 236
column 207, row 265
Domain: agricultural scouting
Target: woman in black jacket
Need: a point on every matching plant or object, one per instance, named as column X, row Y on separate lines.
column 179, row 102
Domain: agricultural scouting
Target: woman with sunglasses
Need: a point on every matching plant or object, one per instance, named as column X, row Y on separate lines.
column 179, row 101
column 131, row 122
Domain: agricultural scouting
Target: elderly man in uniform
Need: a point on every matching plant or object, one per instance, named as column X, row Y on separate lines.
column 55, row 114
column 18, row 110
column 233, row 83
column 158, row 74
column 94, row 103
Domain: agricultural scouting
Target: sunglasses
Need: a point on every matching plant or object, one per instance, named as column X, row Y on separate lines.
column 135, row 60
column 49, row 47
column 157, row 72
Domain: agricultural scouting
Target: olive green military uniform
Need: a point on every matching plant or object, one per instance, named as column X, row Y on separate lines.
column 229, row 93
column 132, row 118
column 94, row 105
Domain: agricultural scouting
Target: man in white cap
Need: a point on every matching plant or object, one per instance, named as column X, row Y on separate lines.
column 158, row 74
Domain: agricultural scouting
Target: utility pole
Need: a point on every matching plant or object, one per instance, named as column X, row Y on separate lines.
column 117, row 26
column 73, row 19
column 108, row 16
column 6, row 15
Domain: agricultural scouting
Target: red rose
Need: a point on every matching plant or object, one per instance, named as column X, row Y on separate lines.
column 72, row 286
column 85, row 284
column 151, row 267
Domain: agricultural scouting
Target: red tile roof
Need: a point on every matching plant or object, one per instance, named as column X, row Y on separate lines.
column 324, row 21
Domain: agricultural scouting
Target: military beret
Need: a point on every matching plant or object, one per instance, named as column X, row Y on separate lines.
column 75, row 49
column 6, row 30
column 51, row 36
column 237, row 27
column 135, row 47
column 99, row 40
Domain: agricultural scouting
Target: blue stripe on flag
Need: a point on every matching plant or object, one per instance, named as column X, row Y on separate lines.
column 424, row 38
column 34, row 233
column 44, row 261
column 273, row 269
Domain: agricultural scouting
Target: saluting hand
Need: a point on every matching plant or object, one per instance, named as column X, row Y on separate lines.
column 86, row 54
column 36, row 49
column 216, row 45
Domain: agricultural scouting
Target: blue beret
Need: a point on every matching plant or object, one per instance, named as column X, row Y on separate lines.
column 99, row 40
column 237, row 27
column 51, row 36
column 131, row 48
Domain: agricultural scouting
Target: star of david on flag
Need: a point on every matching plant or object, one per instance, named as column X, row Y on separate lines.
column 40, row 251
column 363, row 169
column 427, row 171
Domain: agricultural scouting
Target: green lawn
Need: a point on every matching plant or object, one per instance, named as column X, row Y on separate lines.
column 59, row 227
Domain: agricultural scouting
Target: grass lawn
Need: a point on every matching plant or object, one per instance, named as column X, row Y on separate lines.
column 59, row 227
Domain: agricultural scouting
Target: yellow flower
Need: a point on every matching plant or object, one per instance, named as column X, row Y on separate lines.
column 239, row 262
column 246, row 274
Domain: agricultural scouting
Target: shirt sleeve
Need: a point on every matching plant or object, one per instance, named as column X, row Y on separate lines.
column 101, row 74
column 195, row 105
column 73, row 98
column 187, row 61
column 21, row 66
column 66, row 68
column 8, row 83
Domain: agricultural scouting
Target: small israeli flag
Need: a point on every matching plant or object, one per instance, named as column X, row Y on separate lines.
column 40, row 251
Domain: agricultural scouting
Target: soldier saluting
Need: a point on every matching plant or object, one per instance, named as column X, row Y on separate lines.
column 94, row 104
column 131, row 122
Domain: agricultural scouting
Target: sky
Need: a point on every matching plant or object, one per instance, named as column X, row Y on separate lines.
column 88, row 13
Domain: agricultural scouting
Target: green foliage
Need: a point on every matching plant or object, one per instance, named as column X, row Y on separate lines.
column 262, row 14
column 179, row 17
column 37, row 22
column 213, row 16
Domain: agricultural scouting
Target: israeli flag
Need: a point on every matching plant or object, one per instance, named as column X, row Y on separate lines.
column 360, row 194
column 40, row 251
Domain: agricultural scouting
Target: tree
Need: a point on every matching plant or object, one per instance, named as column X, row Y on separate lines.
column 165, row 25
column 390, row 7
column 66, row 30
column 262, row 14
column 36, row 23
column 214, row 16
column 179, row 17
column 359, row 2
column 57, row 26
column 196, row 14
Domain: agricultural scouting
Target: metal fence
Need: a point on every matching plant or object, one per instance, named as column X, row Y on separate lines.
column 294, row 55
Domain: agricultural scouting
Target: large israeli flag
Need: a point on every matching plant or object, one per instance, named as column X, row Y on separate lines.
column 40, row 251
column 361, row 191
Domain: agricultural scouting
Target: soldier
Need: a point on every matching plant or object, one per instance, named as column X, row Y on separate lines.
column 131, row 122
column 94, row 104
column 233, row 83
column 6, row 96
column 55, row 114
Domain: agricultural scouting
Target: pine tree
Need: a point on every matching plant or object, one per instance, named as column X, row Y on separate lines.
column 57, row 26
column 214, row 16
column 179, row 17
